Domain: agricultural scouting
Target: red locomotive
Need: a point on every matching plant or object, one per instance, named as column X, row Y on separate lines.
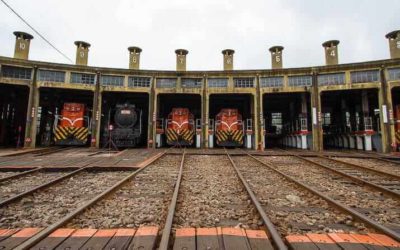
column 180, row 127
column 70, row 128
column 229, row 128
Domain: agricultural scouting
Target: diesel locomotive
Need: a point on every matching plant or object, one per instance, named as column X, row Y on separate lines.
column 180, row 127
column 229, row 129
column 71, row 127
column 127, row 127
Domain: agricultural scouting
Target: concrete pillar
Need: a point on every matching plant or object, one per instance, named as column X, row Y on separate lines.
column 316, row 115
column 134, row 57
column 276, row 57
column 31, row 113
column 368, row 142
column 22, row 44
column 331, row 52
column 260, row 112
column 181, row 59
column 228, row 59
column 385, row 111
column 256, row 117
column 82, row 53
column 204, row 112
column 151, row 142
column 96, row 114
column 394, row 43
column 304, row 142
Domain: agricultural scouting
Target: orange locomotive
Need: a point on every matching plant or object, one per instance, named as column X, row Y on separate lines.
column 229, row 128
column 180, row 127
column 70, row 128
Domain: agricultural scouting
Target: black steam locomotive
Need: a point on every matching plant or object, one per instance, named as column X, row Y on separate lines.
column 126, row 130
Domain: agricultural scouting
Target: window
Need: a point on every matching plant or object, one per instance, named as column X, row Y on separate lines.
column 107, row 80
column 326, row 119
column 272, row 81
column 16, row 72
column 135, row 81
column 243, row 82
column 82, row 78
column 394, row 74
column 191, row 82
column 365, row 76
column 331, row 79
column 295, row 81
column 276, row 122
column 51, row 76
column 166, row 82
column 217, row 82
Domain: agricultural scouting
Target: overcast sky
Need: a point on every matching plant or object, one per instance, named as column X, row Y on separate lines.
column 204, row 27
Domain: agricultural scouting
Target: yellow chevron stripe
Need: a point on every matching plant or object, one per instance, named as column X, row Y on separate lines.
column 171, row 135
column 397, row 135
column 80, row 133
column 62, row 131
column 82, row 137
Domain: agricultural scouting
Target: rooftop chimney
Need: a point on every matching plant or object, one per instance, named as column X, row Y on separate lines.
column 331, row 52
column 394, row 43
column 22, row 43
column 228, row 58
column 181, row 59
column 134, row 57
column 276, row 56
column 82, row 52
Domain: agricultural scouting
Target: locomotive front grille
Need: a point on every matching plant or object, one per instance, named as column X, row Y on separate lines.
column 229, row 138
column 185, row 137
column 69, row 133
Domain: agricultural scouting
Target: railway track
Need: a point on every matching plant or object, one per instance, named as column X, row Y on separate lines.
column 384, row 181
column 372, row 207
column 82, row 206
column 42, row 208
column 182, row 191
column 384, row 167
column 142, row 201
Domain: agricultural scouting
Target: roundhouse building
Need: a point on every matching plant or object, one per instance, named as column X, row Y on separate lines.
column 351, row 106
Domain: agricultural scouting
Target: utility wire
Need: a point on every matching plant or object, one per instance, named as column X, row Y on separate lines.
column 37, row 32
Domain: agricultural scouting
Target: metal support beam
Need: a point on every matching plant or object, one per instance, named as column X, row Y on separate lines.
column 31, row 113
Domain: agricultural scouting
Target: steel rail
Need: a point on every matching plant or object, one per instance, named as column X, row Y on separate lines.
column 27, row 152
column 362, row 167
column 51, row 151
column 375, row 156
column 48, row 230
column 337, row 204
column 37, row 188
column 20, row 174
column 392, row 193
column 165, row 238
column 271, row 230
column 45, row 185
